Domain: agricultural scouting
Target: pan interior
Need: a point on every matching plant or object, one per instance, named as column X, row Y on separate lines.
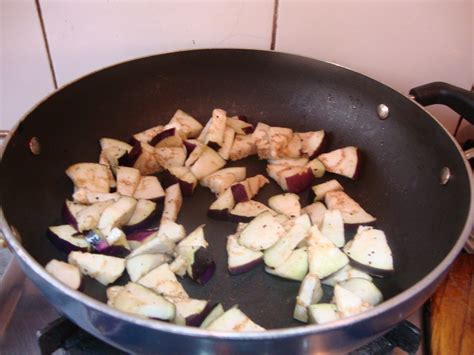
column 399, row 182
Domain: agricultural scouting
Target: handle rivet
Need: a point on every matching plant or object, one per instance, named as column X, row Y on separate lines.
column 35, row 146
column 383, row 111
column 445, row 176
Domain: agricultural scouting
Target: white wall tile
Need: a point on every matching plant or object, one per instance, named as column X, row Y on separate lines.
column 25, row 76
column 401, row 43
column 88, row 35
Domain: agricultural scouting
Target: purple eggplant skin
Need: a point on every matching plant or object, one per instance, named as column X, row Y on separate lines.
column 203, row 266
column 220, row 215
column 189, row 147
column 141, row 235
column 115, row 250
column 300, row 182
column 167, row 179
column 195, row 320
column 128, row 159
column 162, row 135
column 370, row 270
column 213, row 145
column 243, row 118
column 248, row 130
column 322, row 147
column 236, row 218
column 239, row 192
column 246, row 267
column 68, row 217
column 148, row 222
column 63, row 245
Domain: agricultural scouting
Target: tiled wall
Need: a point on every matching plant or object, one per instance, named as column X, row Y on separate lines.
column 400, row 42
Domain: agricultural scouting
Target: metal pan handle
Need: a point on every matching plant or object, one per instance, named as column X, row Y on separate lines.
column 458, row 99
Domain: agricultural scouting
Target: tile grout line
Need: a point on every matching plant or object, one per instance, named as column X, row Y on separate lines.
column 276, row 4
column 46, row 43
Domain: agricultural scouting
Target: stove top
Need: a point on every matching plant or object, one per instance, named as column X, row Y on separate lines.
column 30, row 325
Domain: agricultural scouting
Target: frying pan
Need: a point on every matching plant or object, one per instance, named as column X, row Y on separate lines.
column 426, row 223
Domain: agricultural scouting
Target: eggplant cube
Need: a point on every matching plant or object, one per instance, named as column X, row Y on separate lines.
column 295, row 266
column 105, row 269
column 68, row 274
column 310, row 292
column 234, row 320
column 240, row 258
column 261, row 233
column 117, row 214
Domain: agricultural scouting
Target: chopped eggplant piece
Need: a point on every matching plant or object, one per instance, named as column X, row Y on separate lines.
column 217, row 125
column 221, row 207
column 149, row 188
column 106, row 143
column 65, row 273
column 246, row 211
column 194, row 150
column 370, row 252
column 242, row 147
column 352, row 213
column 288, row 204
column 321, row 190
column 91, row 176
column 110, row 157
column 289, row 162
column 155, row 245
column 179, row 266
column 294, row 268
column 310, row 293
column 316, row 212
column 105, row 269
column 261, row 233
column 365, row 289
column 144, row 159
column 282, row 249
column 172, row 231
column 147, row 135
column 317, row 168
column 168, row 157
column 182, row 175
column 283, row 143
column 169, row 137
column 221, row 180
column 262, row 140
column 313, row 143
column 117, row 214
column 238, row 126
column 117, row 246
column 190, row 311
column 207, row 163
column 245, row 190
column 333, row 227
column 348, row 304
column 127, row 180
column 346, row 273
column 324, row 257
column 215, row 313
column 139, row 300
column 66, row 238
column 173, row 203
column 144, row 215
column 186, row 124
column 224, row 151
column 240, row 258
column 112, row 292
column 163, row 281
column 142, row 264
column 295, row 179
column 322, row 313
column 70, row 211
column 202, row 266
column 234, row 320
column 87, row 197
column 345, row 161
column 88, row 218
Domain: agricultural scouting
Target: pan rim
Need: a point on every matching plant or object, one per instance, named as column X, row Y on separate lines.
column 20, row 252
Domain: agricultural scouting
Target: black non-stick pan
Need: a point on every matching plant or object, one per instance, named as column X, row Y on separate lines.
column 426, row 222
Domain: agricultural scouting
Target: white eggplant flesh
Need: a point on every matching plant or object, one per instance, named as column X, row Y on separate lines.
column 91, row 176
column 142, row 264
column 242, row 147
column 87, row 197
column 351, row 211
column 106, row 143
column 127, row 180
column 224, row 151
column 168, row 157
column 310, row 292
column 241, row 259
column 366, row 290
column 163, row 281
column 221, row 180
column 261, row 233
column 316, row 212
column 282, row 249
column 216, row 131
column 66, row 238
column 208, row 162
column 234, row 320
column 215, row 313
column 287, row 203
column 105, row 269
column 322, row 313
column 322, row 189
column 333, row 227
column 348, row 303
column 172, row 231
column 117, row 214
column 155, row 245
column 295, row 266
column 68, row 274
column 148, row 134
column 186, row 124
column 173, row 203
column 149, row 188
column 344, row 161
column 89, row 217
column 246, row 211
column 346, row 273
